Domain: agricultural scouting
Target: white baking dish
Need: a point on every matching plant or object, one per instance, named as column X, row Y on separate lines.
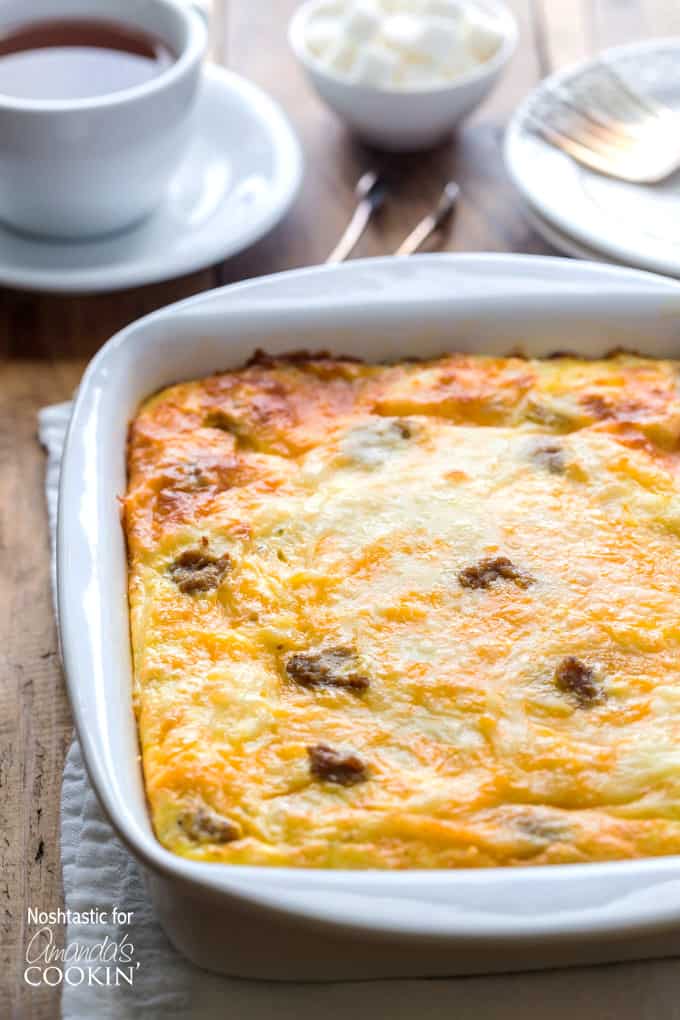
column 285, row 923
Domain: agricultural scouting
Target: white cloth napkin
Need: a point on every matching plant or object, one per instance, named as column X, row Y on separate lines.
column 99, row 872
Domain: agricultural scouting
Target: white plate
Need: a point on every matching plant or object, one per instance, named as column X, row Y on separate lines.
column 559, row 241
column 635, row 224
column 238, row 179
column 291, row 923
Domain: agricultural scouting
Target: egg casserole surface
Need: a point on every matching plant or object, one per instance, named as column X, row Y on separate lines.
column 422, row 615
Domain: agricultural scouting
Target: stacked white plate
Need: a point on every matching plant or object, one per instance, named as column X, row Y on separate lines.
column 587, row 214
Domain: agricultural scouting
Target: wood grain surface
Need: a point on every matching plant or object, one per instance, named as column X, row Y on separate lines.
column 47, row 341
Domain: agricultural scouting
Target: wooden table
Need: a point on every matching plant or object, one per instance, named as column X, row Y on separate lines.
column 47, row 341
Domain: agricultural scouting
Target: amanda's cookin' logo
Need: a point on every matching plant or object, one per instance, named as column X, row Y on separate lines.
column 108, row 962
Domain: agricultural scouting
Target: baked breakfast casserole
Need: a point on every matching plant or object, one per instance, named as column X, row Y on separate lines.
column 421, row 615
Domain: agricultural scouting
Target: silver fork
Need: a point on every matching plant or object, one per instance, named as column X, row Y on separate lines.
column 433, row 222
column 599, row 120
column 370, row 191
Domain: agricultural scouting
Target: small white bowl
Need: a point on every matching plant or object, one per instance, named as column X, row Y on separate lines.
column 402, row 120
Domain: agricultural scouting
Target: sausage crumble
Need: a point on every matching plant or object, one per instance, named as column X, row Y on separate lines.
column 218, row 418
column 345, row 768
column 541, row 827
column 330, row 667
column 205, row 472
column 203, row 825
column 196, row 570
column 491, row 569
column 373, row 443
column 573, row 677
column 403, row 428
column 550, row 457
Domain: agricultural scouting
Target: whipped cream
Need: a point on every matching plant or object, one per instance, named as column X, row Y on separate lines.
column 401, row 44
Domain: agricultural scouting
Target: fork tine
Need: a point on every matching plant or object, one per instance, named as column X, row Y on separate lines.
column 559, row 136
column 609, row 107
column 621, row 130
column 601, row 121
column 576, row 151
column 612, row 165
column 613, row 101
column 650, row 140
column 616, row 93
column 611, row 131
column 644, row 103
column 606, row 95
column 583, row 133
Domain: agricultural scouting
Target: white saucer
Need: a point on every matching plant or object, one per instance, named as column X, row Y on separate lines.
column 638, row 225
column 238, row 179
column 559, row 241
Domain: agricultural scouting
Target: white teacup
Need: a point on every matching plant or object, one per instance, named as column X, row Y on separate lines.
column 83, row 167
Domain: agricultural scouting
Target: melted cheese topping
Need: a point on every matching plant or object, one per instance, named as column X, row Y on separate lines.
column 421, row 615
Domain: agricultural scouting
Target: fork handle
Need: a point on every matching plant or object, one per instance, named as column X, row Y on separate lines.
column 431, row 223
column 353, row 231
column 418, row 236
